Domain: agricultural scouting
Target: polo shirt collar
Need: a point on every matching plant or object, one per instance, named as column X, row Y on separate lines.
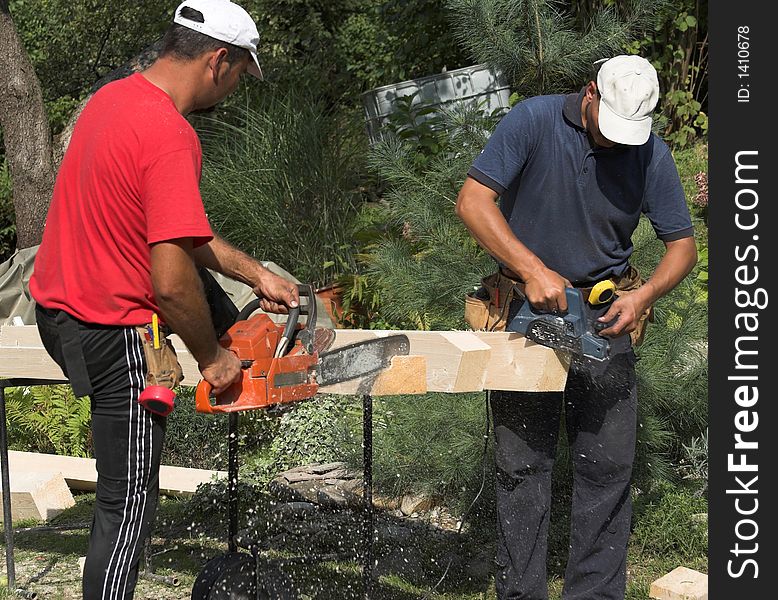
column 572, row 108
column 572, row 112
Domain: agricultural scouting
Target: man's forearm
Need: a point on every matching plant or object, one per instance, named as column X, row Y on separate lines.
column 483, row 219
column 277, row 293
column 677, row 262
column 179, row 294
column 222, row 257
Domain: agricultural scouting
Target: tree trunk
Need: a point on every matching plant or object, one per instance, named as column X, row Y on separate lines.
column 27, row 134
column 32, row 156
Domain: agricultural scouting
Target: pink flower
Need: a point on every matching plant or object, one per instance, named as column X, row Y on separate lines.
column 701, row 199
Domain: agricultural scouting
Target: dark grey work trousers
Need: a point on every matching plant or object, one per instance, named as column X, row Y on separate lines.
column 127, row 441
column 600, row 417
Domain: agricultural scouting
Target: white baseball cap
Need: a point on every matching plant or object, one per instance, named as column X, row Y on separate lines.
column 226, row 22
column 629, row 90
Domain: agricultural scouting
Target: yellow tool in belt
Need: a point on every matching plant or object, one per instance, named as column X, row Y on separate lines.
column 602, row 292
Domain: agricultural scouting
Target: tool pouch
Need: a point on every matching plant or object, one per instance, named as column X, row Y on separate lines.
column 486, row 308
column 161, row 363
column 629, row 282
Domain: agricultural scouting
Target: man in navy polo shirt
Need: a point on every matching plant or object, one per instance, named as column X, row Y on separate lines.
column 573, row 174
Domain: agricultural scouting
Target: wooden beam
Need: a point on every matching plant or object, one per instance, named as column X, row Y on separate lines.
column 22, row 354
column 471, row 361
column 456, row 361
column 81, row 474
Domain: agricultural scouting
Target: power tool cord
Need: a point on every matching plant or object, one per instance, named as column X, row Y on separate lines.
column 477, row 496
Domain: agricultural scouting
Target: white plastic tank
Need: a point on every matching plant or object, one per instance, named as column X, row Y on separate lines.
column 477, row 84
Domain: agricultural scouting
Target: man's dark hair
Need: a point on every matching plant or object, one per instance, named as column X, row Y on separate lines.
column 595, row 70
column 188, row 44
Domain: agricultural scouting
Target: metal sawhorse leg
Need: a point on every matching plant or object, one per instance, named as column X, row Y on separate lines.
column 7, row 521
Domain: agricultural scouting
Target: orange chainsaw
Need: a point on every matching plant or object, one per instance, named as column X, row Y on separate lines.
column 287, row 362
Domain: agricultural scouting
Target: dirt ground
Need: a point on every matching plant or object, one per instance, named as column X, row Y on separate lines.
column 320, row 557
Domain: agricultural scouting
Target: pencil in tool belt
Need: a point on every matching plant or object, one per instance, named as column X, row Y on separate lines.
column 155, row 330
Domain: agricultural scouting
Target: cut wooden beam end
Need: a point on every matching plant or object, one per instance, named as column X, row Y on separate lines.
column 405, row 375
column 473, row 355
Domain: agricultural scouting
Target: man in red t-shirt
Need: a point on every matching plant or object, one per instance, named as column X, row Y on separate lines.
column 125, row 235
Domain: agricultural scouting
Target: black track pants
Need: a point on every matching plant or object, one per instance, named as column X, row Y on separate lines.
column 127, row 443
column 600, row 416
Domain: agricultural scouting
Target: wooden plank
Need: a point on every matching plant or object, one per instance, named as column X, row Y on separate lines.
column 38, row 495
column 81, row 474
column 457, row 361
column 681, row 583
column 21, row 356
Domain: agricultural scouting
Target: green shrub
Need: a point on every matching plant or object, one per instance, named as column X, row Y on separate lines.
column 281, row 181
column 665, row 525
column 49, row 419
column 678, row 48
column 311, row 432
column 431, row 444
column 427, row 261
column 7, row 217
column 193, row 439
column 672, row 369
column 544, row 47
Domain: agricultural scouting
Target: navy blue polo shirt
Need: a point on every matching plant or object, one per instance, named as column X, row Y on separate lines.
column 573, row 204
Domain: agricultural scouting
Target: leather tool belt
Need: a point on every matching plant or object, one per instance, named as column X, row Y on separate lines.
column 161, row 362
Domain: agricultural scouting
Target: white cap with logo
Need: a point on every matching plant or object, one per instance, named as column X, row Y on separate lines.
column 226, row 22
column 629, row 90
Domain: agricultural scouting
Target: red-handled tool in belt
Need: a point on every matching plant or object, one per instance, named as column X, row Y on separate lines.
column 158, row 399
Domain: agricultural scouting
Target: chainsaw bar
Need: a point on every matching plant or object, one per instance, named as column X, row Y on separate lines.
column 360, row 359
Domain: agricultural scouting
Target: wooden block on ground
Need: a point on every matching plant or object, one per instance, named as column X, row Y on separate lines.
column 680, row 584
column 79, row 473
column 38, row 496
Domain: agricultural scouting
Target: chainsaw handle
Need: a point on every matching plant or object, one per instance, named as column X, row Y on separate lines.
column 291, row 324
column 305, row 290
column 203, row 396
column 309, row 309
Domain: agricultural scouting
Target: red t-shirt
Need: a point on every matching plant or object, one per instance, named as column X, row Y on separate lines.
column 130, row 178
